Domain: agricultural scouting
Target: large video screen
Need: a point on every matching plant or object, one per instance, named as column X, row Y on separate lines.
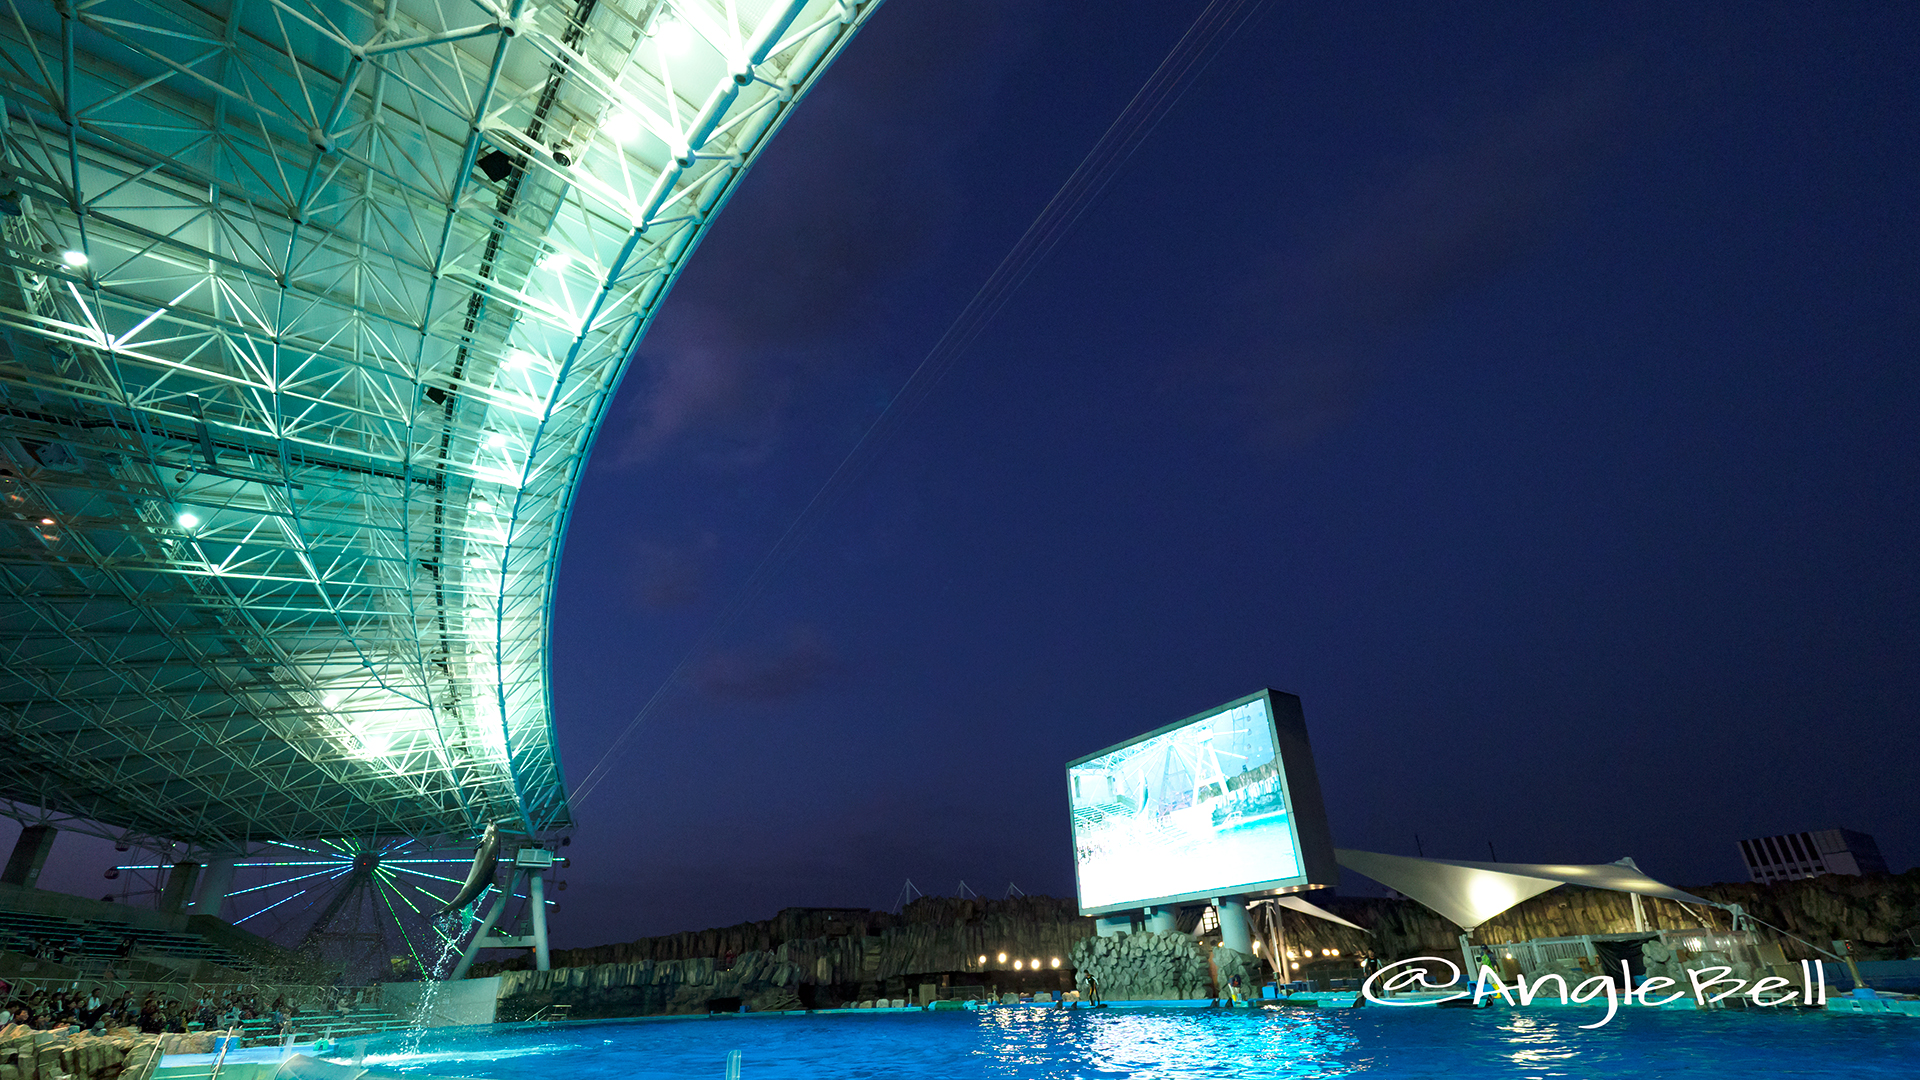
column 1200, row 809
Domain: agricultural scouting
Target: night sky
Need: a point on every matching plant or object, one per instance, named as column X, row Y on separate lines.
column 1531, row 389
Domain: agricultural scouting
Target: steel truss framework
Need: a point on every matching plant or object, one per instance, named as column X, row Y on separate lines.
column 308, row 313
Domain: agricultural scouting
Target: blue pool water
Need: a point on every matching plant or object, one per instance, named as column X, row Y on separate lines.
column 1181, row 1044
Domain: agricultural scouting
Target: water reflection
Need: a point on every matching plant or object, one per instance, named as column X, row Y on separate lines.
column 1171, row 1045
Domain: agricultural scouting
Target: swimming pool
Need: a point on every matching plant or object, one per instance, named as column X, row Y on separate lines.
column 1184, row 1044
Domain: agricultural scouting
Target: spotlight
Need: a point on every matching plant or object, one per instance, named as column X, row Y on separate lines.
column 983, row 958
column 1003, row 958
column 555, row 261
column 1034, row 963
column 187, row 520
column 1016, row 965
column 1333, row 952
column 75, row 259
column 519, row 358
column 46, row 521
column 496, row 439
column 1056, row 961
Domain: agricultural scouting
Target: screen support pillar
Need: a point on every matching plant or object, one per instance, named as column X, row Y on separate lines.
column 179, row 886
column 480, row 932
column 1234, row 932
column 537, row 899
column 1159, row 920
column 29, row 855
column 215, row 880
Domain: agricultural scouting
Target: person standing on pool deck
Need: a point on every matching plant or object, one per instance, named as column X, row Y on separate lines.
column 1093, row 992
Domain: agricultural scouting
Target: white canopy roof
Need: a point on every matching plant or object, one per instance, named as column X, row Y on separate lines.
column 1317, row 912
column 1470, row 893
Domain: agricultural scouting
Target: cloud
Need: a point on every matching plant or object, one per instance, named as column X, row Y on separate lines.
column 672, row 576
column 761, row 674
column 1310, row 332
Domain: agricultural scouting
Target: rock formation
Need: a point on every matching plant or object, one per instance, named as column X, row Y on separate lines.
column 1144, row 967
column 828, row 957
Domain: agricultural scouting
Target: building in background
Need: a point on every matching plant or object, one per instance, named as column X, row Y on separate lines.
column 1791, row 856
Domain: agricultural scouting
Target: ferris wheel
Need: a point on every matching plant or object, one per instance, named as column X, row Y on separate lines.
column 369, row 909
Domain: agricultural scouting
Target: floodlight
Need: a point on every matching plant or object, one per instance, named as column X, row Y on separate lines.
column 1003, row 958
column 187, row 520
column 621, row 126
column 1016, row 965
column 496, row 439
column 74, row 258
column 520, row 358
column 1056, row 961
column 555, row 261
column 673, row 36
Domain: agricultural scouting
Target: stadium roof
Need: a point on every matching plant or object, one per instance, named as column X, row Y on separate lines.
column 308, row 314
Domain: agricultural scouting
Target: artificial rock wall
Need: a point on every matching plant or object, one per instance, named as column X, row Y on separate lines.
column 1169, row 966
column 827, row 957
column 813, row 958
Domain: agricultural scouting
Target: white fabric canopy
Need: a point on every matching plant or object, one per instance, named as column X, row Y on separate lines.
column 1470, row 893
column 1305, row 908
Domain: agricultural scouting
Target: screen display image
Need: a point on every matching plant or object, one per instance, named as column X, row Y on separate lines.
column 1198, row 810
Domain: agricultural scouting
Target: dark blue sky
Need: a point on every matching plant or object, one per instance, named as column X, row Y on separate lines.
column 1531, row 389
